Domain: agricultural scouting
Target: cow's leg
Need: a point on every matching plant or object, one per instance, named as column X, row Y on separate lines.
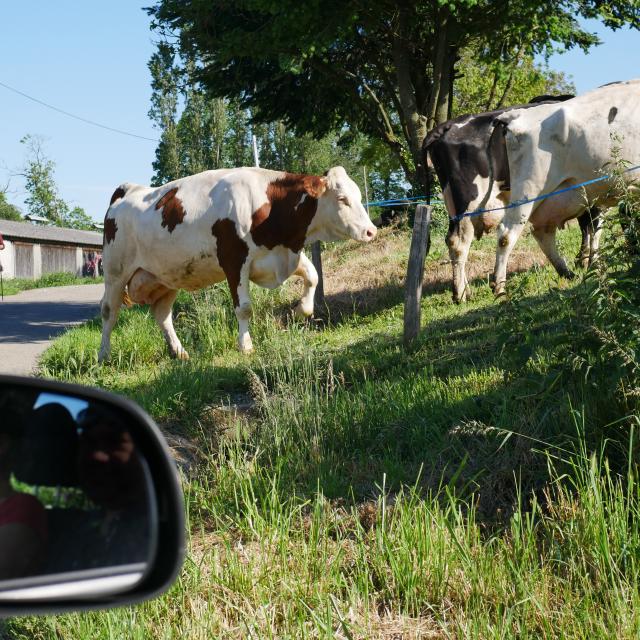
column 161, row 309
column 546, row 238
column 309, row 275
column 595, row 229
column 242, row 303
column 584, row 221
column 458, row 240
column 509, row 231
column 109, row 309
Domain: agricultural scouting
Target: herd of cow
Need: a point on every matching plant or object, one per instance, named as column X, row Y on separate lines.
column 251, row 224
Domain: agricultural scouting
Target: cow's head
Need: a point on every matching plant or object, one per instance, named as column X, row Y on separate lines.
column 340, row 214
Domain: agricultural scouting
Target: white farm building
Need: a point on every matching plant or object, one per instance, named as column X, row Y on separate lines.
column 32, row 251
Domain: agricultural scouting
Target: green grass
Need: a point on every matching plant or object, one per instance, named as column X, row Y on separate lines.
column 11, row 286
column 473, row 486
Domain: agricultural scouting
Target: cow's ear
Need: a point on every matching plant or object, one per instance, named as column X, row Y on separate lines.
column 315, row 186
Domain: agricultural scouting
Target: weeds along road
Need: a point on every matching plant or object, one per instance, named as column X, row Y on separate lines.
column 29, row 321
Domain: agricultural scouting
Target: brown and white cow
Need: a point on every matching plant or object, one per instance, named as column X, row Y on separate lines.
column 557, row 146
column 242, row 225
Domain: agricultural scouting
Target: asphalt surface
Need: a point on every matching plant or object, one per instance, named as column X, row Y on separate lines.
column 31, row 320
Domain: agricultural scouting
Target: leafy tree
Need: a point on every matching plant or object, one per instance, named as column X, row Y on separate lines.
column 202, row 128
column 163, row 112
column 78, row 218
column 8, row 211
column 485, row 85
column 385, row 176
column 386, row 68
column 42, row 199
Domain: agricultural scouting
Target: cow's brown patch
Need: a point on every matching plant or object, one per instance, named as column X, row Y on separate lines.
column 292, row 202
column 173, row 212
column 117, row 194
column 232, row 252
column 109, row 230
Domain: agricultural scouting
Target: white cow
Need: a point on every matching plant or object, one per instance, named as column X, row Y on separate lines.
column 235, row 224
column 556, row 146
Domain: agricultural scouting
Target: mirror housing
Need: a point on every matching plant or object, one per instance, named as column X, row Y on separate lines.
column 124, row 582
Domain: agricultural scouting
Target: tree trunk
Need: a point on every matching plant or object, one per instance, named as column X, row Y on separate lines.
column 492, row 93
column 509, row 84
column 438, row 67
column 416, row 122
column 444, row 91
column 452, row 76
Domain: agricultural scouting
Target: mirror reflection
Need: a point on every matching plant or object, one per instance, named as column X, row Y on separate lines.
column 75, row 491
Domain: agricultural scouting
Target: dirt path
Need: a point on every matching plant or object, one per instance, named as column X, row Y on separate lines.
column 30, row 320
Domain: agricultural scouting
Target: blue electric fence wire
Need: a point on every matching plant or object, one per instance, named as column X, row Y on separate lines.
column 477, row 212
column 400, row 201
column 519, row 203
column 378, row 203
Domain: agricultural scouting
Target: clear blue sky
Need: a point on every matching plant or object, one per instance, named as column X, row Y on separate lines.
column 90, row 58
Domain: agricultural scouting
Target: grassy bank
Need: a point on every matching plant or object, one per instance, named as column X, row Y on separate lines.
column 339, row 486
column 11, row 286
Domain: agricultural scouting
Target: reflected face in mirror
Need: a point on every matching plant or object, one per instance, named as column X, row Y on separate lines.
column 75, row 491
column 109, row 470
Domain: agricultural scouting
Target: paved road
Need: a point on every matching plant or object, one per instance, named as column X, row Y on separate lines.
column 31, row 319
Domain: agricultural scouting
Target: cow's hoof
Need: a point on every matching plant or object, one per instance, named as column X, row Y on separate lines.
column 245, row 346
column 181, row 355
column 301, row 312
column 569, row 275
column 499, row 290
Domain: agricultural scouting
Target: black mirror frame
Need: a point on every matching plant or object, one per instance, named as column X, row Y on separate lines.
column 170, row 506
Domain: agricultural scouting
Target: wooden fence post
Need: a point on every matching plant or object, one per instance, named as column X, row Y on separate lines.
column 415, row 273
column 316, row 258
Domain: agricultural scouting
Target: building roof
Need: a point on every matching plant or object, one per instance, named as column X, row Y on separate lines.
column 12, row 230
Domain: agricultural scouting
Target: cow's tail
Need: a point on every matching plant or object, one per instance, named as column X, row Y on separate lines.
column 495, row 148
column 496, row 138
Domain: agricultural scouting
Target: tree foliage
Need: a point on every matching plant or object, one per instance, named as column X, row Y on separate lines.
column 43, row 198
column 42, row 192
column 199, row 132
column 163, row 112
column 485, row 85
column 8, row 211
column 384, row 68
column 78, row 218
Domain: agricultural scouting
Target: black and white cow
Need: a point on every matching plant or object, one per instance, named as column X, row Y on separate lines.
column 560, row 145
column 460, row 152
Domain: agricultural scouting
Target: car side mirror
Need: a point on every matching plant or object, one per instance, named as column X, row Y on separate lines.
column 91, row 510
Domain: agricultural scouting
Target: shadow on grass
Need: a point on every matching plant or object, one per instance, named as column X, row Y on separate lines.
column 343, row 307
column 474, row 404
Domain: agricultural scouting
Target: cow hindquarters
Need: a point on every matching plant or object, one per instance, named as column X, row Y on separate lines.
column 459, row 238
column 162, row 313
column 309, row 275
